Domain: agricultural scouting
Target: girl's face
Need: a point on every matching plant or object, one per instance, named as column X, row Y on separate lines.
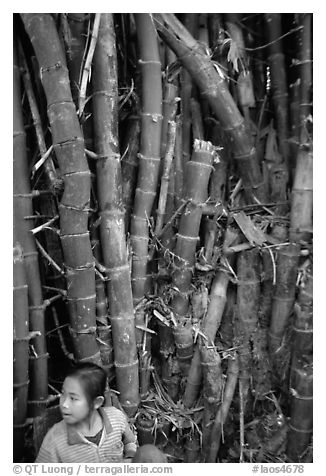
column 74, row 405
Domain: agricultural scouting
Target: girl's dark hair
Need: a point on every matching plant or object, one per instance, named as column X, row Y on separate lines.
column 92, row 378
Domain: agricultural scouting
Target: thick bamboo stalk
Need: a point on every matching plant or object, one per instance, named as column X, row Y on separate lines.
column 213, row 87
column 76, row 50
column 276, row 62
column 23, row 207
column 129, row 165
column 21, row 342
column 197, row 122
column 301, row 409
column 222, row 413
column 301, row 220
column 198, row 170
column 178, row 164
column 68, row 144
column 248, row 298
column 48, row 164
column 283, row 299
column 212, row 390
column 109, row 186
column 301, row 377
column 302, row 343
column 150, row 145
column 280, row 232
column 165, row 179
column 190, row 22
column 305, row 64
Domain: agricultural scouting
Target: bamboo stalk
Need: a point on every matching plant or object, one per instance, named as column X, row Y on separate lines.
column 248, row 298
column 76, row 49
column 87, row 66
column 48, row 163
column 301, row 409
column 305, row 63
column 302, row 196
column 69, row 147
column 212, row 86
column 190, row 22
column 149, row 166
column 109, row 186
column 38, row 392
column 20, row 365
column 129, row 165
column 283, row 299
column 303, row 317
column 301, row 376
column 165, row 179
column 222, row 413
column 212, row 390
column 276, row 61
column 197, row 122
column 197, row 176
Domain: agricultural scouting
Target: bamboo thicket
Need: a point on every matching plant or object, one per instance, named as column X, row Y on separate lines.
column 155, row 179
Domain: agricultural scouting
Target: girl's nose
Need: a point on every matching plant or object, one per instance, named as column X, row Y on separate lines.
column 64, row 401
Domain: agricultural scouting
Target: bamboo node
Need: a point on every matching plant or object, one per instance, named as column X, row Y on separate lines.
column 143, row 157
column 234, row 127
column 40, row 307
column 249, row 154
column 199, row 164
column 57, row 65
column 40, row 356
column 146, row 192
column 82, row 172
column 129, row 364
column 43, row 402
column 96, row 358
column 83, row 209
column 111, row 213
column 21, row 425
column 154, row 116
column 298, row 429
column 72, row 235
column 104, row 92
column 87, row 330
column 187, row 238
column 302, row 331
column 140, row 61
column 21, row 384
column 117, row 269
column 84, row 298
column 30, row 254
column 80, row 268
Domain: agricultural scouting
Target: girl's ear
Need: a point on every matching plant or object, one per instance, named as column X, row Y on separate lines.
column 98, row 402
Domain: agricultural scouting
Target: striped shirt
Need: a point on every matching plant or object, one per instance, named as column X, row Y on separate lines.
column 64, row 444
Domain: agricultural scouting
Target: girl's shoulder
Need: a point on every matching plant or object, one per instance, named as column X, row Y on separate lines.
column 57, row 430
column 115, row 416
column 114, row 412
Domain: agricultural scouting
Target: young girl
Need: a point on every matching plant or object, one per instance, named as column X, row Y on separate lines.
column 88, row 433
